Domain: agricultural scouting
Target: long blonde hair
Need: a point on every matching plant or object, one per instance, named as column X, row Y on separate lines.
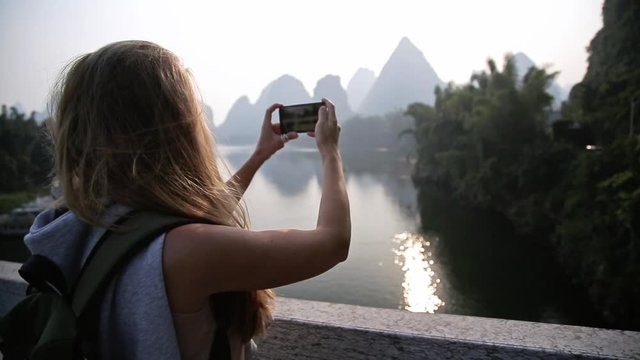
column 128, row 127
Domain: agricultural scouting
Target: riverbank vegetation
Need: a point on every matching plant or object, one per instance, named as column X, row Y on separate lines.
column 24, row 158
column 572, row 186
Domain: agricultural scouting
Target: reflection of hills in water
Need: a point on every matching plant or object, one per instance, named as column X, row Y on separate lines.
column 286, row 194
column 291, row 170
column 392, row 170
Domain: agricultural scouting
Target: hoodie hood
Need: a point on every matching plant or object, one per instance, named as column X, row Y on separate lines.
column 135, row 319
column 67, row 240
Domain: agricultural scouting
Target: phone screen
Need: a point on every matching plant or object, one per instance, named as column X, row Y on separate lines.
column 299, row 118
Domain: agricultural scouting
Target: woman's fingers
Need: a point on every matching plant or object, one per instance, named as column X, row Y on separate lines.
column 267, row 114
column 328, row 103
column 327, row 131
column 276, row 128
column 288, row 137
column 322, row 113
column 331, row 109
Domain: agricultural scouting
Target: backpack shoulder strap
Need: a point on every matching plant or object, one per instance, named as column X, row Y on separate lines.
column 114, row 250
column 43, row 274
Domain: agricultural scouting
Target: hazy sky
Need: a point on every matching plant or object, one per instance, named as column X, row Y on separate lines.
column 238, row 47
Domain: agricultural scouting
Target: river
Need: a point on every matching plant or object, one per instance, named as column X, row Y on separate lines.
column 286, row 192
column 470, row 264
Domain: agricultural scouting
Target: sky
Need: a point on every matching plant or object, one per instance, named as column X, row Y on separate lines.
column 236, row 48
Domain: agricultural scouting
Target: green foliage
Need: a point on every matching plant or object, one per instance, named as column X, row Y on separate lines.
column 598, row 234
column 24, row 158
column 487, row 144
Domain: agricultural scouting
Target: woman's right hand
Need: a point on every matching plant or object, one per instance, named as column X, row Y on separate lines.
column 327, row 132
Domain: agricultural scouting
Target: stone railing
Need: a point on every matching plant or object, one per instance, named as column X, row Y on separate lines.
column 315, row 330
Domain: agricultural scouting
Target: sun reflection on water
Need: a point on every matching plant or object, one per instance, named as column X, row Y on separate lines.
column 420, row 281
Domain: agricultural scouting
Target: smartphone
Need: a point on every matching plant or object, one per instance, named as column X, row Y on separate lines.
column 299, row 118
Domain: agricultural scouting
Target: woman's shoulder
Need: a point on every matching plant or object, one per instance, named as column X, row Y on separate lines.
column 194, row 258
column 196, row 232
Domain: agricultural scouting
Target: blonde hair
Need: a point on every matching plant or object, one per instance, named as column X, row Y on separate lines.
column 128, row 127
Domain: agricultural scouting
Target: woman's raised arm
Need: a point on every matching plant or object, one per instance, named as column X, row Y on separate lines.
column 201, row 259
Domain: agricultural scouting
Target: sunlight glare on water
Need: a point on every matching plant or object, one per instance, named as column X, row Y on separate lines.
column 420, row 283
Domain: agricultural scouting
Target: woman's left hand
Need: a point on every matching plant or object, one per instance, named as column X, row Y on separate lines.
column 271, row 140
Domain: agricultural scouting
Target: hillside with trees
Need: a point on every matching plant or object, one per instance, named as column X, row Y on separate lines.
column 598, row 235
column 487, row 145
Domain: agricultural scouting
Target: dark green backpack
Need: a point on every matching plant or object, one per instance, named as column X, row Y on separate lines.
column 54, row 321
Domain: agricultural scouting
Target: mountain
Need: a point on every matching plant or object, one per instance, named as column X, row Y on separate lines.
column 359, row 86
column 240, row 117
column 407, row 77
column 208, row 113
column 285, row 90
column 242, row 124
column 330, row 87
column 524, row 63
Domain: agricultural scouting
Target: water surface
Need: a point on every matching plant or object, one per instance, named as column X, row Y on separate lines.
column 389, row 263
column 466, row 262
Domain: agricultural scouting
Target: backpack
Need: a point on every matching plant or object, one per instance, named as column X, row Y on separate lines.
column 55, row 321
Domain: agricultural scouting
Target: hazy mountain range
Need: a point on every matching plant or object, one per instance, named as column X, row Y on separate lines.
column 244, row 117
column 406, row 77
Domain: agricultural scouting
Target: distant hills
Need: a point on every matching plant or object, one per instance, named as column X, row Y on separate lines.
column 245, row 118
column 359, row 86
column 405, row 78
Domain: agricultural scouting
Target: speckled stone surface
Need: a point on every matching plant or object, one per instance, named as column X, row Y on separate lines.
column 316, row 330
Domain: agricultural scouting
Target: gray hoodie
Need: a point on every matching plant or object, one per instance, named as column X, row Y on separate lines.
column 135, row 318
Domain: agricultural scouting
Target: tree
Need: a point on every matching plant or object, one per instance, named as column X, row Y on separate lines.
column 24, row 157
column 488, row 142
column 598, row 236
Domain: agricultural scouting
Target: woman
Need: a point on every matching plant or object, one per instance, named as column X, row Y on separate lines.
column 129, row 133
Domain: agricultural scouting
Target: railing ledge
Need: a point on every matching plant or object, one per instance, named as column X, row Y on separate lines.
column 319, row 330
